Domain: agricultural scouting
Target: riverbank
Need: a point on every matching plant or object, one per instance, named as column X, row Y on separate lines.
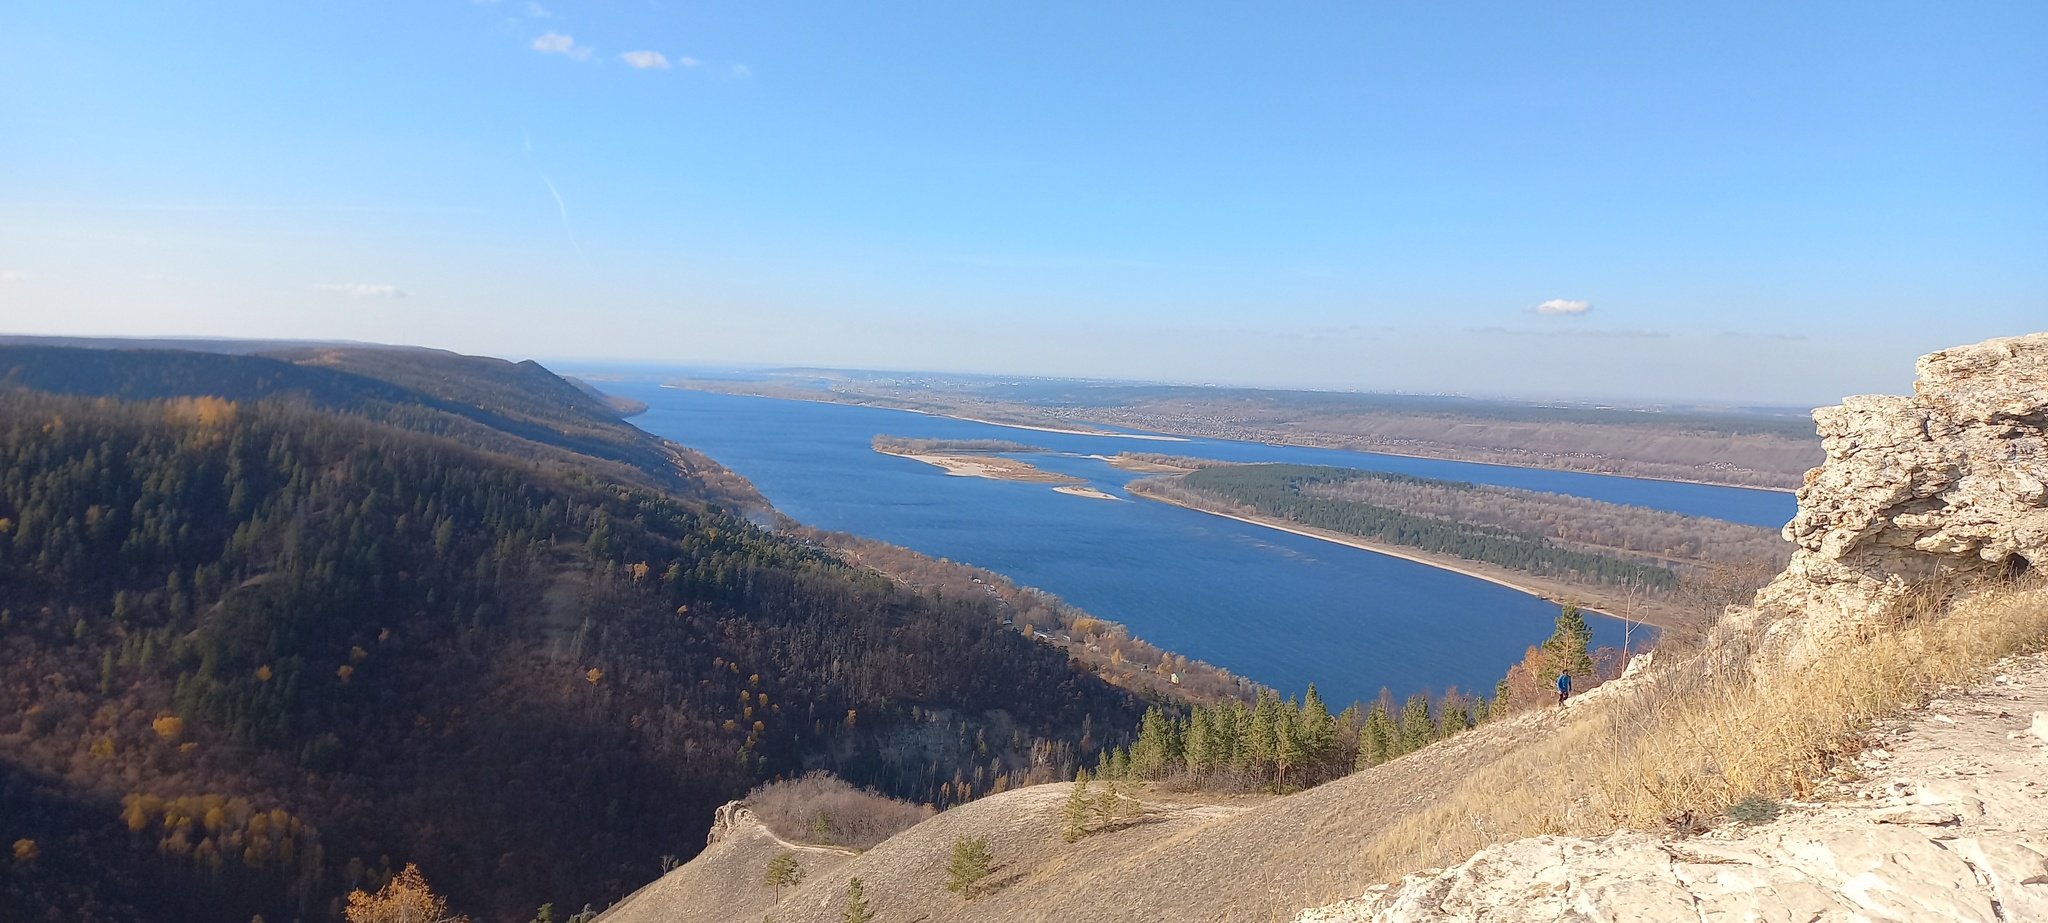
column 1596, row 600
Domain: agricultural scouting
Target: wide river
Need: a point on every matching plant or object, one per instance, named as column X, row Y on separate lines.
column 1282, row 609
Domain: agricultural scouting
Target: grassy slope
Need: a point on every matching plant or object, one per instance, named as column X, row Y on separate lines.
column 1687, row 739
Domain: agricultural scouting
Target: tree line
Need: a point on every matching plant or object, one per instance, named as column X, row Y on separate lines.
column 1295, row 492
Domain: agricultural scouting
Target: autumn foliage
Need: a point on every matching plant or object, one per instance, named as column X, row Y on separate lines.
column 404, row 899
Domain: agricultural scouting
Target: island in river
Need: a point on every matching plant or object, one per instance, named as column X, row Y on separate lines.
column 978, row 458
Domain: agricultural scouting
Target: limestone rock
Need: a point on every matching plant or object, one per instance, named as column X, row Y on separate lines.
column 731, row 817
column 1950, row 481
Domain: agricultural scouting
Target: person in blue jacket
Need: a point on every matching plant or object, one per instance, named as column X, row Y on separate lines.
column 1564, row 686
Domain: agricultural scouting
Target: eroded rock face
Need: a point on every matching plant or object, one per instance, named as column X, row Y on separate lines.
column 1950, row 481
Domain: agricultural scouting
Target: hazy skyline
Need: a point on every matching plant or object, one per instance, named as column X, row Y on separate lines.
column 1742, row 203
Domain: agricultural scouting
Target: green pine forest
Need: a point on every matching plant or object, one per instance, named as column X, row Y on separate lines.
column 1291, row 492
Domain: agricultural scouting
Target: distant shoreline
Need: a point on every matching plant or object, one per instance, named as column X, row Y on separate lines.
column 934, row 413
column 1474, row 461
column 1460, row 568
column 1267, row 442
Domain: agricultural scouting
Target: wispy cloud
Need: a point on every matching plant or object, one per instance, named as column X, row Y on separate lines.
column 563, row 207
column 1564, row 306
column 537, row 11
column 688, row 62
column 557, row 43
column 741, row 70
column 12, row 275
column 360, row 289
column 646, row 59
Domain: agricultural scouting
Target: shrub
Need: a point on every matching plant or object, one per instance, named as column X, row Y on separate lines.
column 851, row 816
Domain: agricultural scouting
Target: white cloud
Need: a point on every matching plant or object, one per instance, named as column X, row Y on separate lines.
column 1564, row 306
column 537, row 11
column 646, row 59
column 557, row 43
column 12, row 275
column 741, row 70
column 361, row 289
column 688, row 62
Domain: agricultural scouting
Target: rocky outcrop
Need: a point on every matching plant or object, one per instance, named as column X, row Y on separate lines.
column 1951, row 826
column 1949, row 820
column 1952, row 481
column 731, row 817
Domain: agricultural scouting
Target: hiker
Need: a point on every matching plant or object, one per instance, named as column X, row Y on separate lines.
column 1564, row 686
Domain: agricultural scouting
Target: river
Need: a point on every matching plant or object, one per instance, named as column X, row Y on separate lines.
column 1281, row 609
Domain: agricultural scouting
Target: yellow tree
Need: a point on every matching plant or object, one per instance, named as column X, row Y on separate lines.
column 404, row 899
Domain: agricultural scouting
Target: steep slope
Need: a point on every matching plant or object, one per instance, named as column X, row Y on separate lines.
column 724, row 882
column 1187, row 857
column 263, row 651
column 1915, row 578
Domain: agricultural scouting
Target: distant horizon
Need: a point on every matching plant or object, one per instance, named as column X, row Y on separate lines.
column 1617, row 403
column 1746, row 203
column 569, row 365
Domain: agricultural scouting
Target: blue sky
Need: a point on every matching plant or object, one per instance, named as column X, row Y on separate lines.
column 1718, row 202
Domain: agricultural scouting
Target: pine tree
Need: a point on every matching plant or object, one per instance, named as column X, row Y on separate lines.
column 1116, row 765
column 1288, row 751
column 1262, row 742
column 1416, row 728
column 782, row 871
column 1451, row 717
column 1150, row 754
column 1233, row 736
column 1569, row 647
column 857, row 909
column 970, row 864
column 1106, row 805
column 1377, row 737
column 1075, row 815
column 1199, row 746
column 1316, row 730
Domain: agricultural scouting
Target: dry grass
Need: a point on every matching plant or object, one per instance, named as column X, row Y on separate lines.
column 1678, row 747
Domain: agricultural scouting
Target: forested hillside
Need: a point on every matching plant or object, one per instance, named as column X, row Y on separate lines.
column 1313, row 495
column 262, row 650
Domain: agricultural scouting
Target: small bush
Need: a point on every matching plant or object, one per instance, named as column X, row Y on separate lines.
column 823, row 808
column 1753, row 810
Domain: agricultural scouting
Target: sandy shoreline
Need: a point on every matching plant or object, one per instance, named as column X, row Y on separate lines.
column 1460, row 568
column 993, row 467
column 1079, row 490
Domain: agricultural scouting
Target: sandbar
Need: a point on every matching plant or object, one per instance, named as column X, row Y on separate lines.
column 1090, row 492
column 993, row 467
